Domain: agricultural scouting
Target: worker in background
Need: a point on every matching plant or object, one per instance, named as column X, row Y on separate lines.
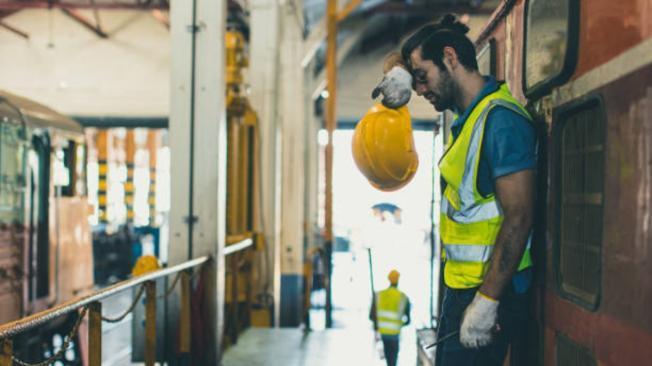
column 488, row 180
column 390, row 311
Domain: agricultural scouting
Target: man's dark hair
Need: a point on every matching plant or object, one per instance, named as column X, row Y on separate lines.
column 432, row 38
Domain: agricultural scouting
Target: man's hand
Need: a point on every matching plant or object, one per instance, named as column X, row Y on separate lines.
column 479, row 321
column 396, row 88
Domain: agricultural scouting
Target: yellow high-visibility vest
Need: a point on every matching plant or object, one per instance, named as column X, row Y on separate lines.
column 469, row 222
column 390, row 308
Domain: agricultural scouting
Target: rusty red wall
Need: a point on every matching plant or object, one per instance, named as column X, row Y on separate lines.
column 608, row 28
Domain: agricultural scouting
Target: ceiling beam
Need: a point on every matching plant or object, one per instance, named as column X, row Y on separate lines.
column 14, row 30
column 63, row 4
column 161, row 17
column 396, row 8
column 81, row 19
column 318, row 35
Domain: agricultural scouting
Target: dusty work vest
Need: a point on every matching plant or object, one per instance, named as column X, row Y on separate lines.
column 390, row 308
column 469, row 222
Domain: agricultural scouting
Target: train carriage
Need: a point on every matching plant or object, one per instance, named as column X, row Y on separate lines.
column 45, row 237
column 584, row 71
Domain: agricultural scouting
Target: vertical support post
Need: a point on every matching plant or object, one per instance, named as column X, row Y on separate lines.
column 95, row 334
column 6, row 352
column 130, row 154
column 197, row 138
column 184, row 314
column 103, row 169
column 265, row 68
column 331, row 126
column 234, row 298
column 150, row 323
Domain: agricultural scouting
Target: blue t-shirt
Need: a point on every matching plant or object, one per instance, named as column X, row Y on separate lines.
column 509, row 143
column 508, row 146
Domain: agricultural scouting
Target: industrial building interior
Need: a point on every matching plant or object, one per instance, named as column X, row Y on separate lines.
column 178, row 184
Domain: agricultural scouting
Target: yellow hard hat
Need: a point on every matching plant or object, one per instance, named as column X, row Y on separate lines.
column 393, row 277
column 144, row 264
column 383, row 147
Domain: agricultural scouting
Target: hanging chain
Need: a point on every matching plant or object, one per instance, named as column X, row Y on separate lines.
column 129, row 310
column 171, row 287
column 167, row 293
column 59, row 354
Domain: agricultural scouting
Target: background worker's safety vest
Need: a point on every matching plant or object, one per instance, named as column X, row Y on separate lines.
column 390, row 308
column 469, row 222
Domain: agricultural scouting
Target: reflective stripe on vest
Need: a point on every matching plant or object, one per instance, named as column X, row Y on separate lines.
column 390, row 308
column 469, row 222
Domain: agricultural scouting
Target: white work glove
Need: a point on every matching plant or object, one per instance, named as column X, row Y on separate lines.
column 479, row 321
column 396, row 87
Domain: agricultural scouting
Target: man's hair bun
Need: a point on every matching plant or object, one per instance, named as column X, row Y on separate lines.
column 450, row 22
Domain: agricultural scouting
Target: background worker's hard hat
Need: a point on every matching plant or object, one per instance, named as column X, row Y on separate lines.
column 383, row 147
column 393, row 277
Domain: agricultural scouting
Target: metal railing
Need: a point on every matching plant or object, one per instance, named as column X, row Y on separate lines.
column 91, row 304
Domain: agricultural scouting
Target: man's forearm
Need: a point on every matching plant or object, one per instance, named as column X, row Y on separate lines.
column 508, row 250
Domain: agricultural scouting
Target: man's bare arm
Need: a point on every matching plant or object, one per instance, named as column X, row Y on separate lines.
column 515, row 193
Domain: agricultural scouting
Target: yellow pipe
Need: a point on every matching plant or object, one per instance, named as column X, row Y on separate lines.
column 102, row 143
column 232, row 186
column 331, row 113
column 348, row 9
column 331, row 126
column 243, row 173
column 130, row 152
column 152, row 147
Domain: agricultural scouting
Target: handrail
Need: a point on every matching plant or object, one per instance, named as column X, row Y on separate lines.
column 20, row 325
column 236, row 247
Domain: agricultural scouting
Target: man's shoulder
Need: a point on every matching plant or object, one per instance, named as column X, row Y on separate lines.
column 501, row 117
column 504, row 124
column 509, row 143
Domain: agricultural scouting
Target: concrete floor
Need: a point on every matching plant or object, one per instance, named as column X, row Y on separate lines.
column 293, row 347
column 352, row 343
column 116, row 337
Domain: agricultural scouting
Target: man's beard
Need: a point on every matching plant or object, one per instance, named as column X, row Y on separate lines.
column 447, row 89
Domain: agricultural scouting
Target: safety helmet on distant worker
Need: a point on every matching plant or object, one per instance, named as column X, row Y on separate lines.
column 383, row 147
column 393, row 277
column 145, row 264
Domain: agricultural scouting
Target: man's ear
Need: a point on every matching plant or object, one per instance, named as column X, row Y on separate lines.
column 450, row 58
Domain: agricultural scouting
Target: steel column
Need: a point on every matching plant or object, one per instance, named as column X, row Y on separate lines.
column 102, row 145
